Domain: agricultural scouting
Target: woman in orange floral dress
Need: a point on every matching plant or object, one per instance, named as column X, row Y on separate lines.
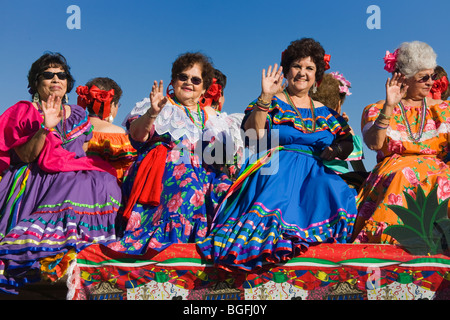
column 410, row 133
column 100, row 96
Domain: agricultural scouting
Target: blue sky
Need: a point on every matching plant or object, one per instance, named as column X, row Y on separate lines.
column 135, row 42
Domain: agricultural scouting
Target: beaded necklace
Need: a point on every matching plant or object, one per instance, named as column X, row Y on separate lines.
column 291, row 103
column 201, row 114
column 422, row 121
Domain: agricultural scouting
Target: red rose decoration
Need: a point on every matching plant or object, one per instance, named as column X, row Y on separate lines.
column 439, row 86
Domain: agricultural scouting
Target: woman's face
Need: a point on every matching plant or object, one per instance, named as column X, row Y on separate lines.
column 420, row 84
column 185, row 90
column 53, row 85
column 301, row 75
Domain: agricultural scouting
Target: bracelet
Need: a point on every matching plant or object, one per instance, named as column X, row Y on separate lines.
column 47, row 129
column 385, row 116
column 382, row 127
column 262, row 108
column 151, row 117
column 263, row 103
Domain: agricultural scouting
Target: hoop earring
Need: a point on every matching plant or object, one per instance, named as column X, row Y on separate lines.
column 169, row 90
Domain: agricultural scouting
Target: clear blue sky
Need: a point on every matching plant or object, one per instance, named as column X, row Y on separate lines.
column 135, row 42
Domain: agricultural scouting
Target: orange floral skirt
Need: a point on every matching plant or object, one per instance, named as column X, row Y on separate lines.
column 387, row 185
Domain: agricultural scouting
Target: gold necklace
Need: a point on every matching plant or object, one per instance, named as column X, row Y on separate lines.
column 291, row 103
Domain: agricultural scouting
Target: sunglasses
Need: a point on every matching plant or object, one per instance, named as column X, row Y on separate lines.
column 427, row 77
column 50, row 75
column 184, row 77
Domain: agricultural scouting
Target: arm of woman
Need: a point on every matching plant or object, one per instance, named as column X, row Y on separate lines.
column 271, row 84
column 141, row 127
column 375, row 136
column 29, row 151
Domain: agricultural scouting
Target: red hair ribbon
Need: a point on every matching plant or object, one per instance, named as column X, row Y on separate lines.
column 439, row 86
column 87, row 96
column 211, row 95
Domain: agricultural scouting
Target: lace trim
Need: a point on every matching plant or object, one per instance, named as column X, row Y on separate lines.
column 223, row 128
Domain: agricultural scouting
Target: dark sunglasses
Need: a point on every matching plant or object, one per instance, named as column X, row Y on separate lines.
column 425, row 78
column 50, row 75
column 184, row 77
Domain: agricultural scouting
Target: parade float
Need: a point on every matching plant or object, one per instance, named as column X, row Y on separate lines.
column 417, row 268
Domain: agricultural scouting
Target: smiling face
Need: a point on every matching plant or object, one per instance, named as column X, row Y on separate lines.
column 301, row 75
column 417, row 86
column 56, row 86
column 186, row 92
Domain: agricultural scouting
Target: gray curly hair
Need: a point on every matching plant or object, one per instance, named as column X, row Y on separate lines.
column 415, row 56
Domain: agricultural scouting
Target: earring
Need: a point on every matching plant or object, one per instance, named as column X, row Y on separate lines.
column 66, row 98
column 110, row 118
column 36, row 97
column 314, row 87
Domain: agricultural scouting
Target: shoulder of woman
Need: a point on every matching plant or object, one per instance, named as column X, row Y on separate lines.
column 210, row 111
column 106, row 127
column 433, row 102
column 318, row 104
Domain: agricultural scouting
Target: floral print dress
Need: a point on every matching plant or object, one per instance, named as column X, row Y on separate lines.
column 403, row 165
column 190, row 186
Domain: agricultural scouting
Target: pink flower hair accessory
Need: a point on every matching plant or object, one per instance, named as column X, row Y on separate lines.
column 345, row 84
column 390, row 61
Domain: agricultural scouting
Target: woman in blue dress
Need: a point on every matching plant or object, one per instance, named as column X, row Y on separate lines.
column 286, row 199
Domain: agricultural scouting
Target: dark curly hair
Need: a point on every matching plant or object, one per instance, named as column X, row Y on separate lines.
column 187, row 60
column 303, row 48
column 48, row 60
column 104, row 83
column 221, row 78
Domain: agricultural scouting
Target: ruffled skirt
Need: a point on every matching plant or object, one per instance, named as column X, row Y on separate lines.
column 44, row 214
column 276, row 208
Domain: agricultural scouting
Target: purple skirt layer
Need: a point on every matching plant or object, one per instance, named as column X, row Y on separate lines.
column 45, row 214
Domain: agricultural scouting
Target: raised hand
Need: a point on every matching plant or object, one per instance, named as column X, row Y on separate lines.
column 272, row 81
column 395, row 89
column 157, row 98
column 52, row 110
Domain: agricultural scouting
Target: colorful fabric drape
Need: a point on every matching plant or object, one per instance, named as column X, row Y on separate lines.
column 58, row 204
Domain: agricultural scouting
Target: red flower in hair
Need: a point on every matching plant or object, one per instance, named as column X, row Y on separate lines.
column 211, row 95
column 390, row 61
column 439, row 87
column 84, row 97
column 214, row 91
column 327, row 59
